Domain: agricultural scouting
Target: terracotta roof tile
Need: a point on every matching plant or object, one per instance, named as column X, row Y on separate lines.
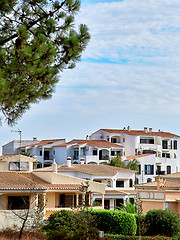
column 43, row 142
column 141, row 132
column 97, row 143
column 137, row 156
column 24, row 181
column 93, row 169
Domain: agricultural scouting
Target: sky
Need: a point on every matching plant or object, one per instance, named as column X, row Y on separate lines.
column 129, row 75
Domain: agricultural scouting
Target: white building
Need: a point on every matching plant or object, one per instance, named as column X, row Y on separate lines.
column 42, row 150
column 164, row 145
column 119, row 181
column 93, row 151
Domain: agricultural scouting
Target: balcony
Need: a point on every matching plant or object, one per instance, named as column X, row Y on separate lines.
column 160, row 172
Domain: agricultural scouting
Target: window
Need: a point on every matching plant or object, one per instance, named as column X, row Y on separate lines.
column 119, row 183
column 147, row 141
column 139, row 168
column 164, row 144
column 149, row 169
column 149, row 180
column 40, row 153
column 109, row 183
column 96, row 180
column 136, row 151
column 149, row 152
column 168, row 169
column 94, row 152
column 166, row 155
column 54, row 152
column 112, row 153
column 124, row 140
column 175, row 144
column 130, row 183
column 76, row 153
column 18, row 202
column 17, row 166
column 113, row 140
column 108, row 139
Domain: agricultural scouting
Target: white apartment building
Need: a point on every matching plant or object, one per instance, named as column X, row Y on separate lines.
column 42, row 150
column 164, row 145
column 93, row 151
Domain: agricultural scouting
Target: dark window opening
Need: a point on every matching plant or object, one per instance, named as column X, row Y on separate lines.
column 164, row 144
column 149, row 152
column 166, row 155
column 113, row 140
column 18, row 202
column 40, row 152
column 175, row 145
column 95, row 152
column 130, row 183
column 119, row 202
column 168, row 169
column 119, row 183
column 147, row 141
column 149, row 180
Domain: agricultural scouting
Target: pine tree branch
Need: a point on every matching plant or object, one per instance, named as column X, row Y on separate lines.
column 31, row 24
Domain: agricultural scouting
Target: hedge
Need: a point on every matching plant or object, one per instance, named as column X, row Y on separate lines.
column 114, row 221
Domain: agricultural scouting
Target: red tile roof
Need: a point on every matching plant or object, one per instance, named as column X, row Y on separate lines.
column 29, row 181
column 43, row 142
column 137, row 156
column 141, row 132
column 97, row 143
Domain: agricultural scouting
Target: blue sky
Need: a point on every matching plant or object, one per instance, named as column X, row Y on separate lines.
column 128, row 75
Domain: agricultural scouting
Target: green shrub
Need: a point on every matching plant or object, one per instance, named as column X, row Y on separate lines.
column 68, row 225
column 122, row 237
column 114, row 221
column 161, row 222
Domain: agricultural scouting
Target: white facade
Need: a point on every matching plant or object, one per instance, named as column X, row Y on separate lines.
column 164, row 145
column 92, row 151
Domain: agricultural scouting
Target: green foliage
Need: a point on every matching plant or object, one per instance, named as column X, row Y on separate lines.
column 117, row 162
column 115, row 221
column 38, row 40
column 117, row 236
column 71, row 225
column 128, row 207
column 26, row 154
column 163, row 222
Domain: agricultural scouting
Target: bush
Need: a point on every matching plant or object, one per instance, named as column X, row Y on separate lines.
column 115, row 221
column 72, row 226
column 122, row 237
column 161, row 222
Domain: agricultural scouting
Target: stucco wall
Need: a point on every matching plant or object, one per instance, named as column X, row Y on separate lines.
column 149, row 205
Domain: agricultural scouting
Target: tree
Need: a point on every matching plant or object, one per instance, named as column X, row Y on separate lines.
column 37, row 41
column 117, row 162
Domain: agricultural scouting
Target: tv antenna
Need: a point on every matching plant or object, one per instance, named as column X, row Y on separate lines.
column 19, row 132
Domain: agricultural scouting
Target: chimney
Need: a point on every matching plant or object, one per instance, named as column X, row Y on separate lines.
column 82, row 160
column 159, row 130
column 128, row 128
column 54, row 166
column 159, row 181
column 87, row 137
column 145, row 129
column 68, row 161
column 34, row 139
column 150, row 129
